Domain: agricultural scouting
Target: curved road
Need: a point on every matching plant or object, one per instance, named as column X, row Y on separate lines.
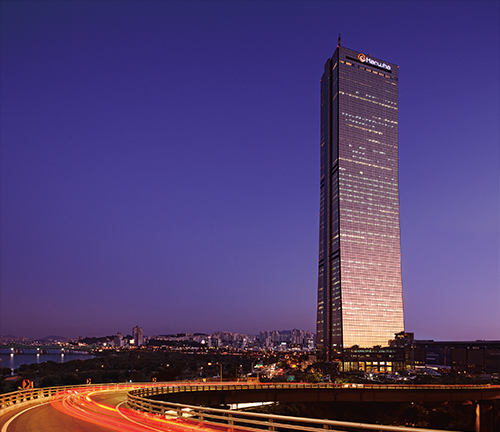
column 104, row 408
column 88, row 409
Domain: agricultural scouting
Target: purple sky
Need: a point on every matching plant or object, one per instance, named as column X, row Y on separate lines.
column 160, row 162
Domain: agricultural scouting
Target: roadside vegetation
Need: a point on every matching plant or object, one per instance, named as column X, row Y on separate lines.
column 125, row 366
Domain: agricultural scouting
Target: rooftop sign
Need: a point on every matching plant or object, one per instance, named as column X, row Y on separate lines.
column 364, row 59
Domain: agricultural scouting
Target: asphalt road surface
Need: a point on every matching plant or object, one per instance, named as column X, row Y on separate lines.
column 46, row 417
column 86, row 410
column 91, row 409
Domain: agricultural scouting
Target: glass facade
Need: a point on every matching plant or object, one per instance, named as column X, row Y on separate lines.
column 359, row 280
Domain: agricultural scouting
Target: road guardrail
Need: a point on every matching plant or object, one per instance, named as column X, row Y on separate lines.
column 141, row 400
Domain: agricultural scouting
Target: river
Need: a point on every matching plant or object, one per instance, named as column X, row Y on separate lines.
column 13, row 361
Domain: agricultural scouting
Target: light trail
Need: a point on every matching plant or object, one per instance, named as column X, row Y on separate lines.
column 79, row 403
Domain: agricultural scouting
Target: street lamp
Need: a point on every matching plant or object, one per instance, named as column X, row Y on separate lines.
column 220, row 364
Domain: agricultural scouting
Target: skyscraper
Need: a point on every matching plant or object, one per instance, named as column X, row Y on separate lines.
column 138, row 336
column 359, row 282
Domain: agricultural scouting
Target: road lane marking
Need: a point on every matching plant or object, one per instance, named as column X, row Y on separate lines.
column 8, row 422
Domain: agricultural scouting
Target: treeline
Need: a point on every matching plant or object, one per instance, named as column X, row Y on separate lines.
column 164, row 365
column 123, row 366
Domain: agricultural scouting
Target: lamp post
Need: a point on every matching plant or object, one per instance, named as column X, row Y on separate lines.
column 220, row 364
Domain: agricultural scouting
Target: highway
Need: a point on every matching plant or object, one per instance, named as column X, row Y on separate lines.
column 103, row 408
column 89, row 410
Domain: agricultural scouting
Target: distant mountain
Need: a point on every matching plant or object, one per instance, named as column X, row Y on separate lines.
column 54, row 338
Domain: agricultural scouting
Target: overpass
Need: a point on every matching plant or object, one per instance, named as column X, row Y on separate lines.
column 225, row 395
column 486, row 397
column 135, row 407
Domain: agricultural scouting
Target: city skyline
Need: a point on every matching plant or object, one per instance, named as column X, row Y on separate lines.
column 360, row 297
column 159, row 163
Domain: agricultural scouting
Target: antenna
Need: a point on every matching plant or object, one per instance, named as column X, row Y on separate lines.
column 339, row 41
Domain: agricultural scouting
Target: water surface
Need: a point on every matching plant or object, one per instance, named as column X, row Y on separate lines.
column 13, row 361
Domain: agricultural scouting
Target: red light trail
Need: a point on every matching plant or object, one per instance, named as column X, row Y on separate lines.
column 81, row 404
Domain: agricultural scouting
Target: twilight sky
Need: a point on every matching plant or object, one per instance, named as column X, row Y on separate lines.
column 160, row 162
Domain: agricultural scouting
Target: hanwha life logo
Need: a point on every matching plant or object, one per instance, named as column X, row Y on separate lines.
column 364, row 59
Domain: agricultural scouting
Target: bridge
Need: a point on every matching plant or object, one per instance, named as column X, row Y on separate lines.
column 486, row 397
column 189, row 406
column 18, row 348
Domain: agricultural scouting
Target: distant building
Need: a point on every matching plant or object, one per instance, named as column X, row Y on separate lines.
column 360, row 301
column 467, row 357
column 402, row 339
column 471, row 357
column 138, row 336
column 377, row 359
column 267, row 340
column 119, row 340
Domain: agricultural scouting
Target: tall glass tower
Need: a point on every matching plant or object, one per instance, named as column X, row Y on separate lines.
column 360, row 300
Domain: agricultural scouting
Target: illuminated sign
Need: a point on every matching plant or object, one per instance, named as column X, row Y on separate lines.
column 364, row 59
